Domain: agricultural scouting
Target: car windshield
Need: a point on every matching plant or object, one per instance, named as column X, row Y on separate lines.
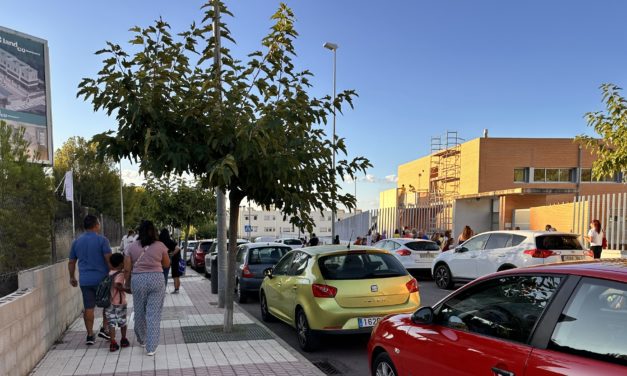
column 266, row 255
column 559, row 242
column 205, row 246
column 422, row 246
column 292, row 242
column 360, row 265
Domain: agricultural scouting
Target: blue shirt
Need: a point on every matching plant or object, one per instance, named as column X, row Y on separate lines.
column 90, row 250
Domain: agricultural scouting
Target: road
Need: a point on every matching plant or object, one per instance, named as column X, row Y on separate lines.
column 347, row 354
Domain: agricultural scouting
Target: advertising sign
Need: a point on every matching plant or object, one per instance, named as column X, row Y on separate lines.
column 25, row 90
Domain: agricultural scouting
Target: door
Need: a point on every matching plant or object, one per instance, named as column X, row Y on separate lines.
column 274, row 287
column 494, row 254
column 293, row 282
column 590, row 335
column 463, row 262
column 481, row 330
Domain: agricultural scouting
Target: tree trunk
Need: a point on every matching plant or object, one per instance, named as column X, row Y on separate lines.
column 221, row 247
column 189, row 225
column 235, row 198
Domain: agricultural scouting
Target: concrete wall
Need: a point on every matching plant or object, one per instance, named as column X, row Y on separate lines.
column 35, row 316
column 559, row 216
column 471, row 212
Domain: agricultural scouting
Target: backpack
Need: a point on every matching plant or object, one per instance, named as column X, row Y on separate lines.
column 103, row 291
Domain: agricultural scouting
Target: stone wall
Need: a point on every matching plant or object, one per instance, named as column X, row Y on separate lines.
column 35, row 316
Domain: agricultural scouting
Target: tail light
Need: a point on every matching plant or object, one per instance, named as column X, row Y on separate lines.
column 323, row 291
column 403, row 252
column 412, row 286
column 589, row 253
column 539, row 253
column 246, row 273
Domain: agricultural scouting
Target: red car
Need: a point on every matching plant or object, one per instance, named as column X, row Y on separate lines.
column 562, row 319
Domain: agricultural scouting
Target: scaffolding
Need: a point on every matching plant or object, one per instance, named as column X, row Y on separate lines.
column 444, row 179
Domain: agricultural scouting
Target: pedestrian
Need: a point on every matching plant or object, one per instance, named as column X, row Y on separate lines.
column 548, row 228
column 436, row 238
column 314, row 241
column 368, row 238
column 466, row 234
column 595, row 238
column 424, row 235
column 127, row 240
column 414, row 233
column 396, row 234
column 357, row 241
column 116, row 312
column 336, row 240
column 447, row 241
column 92, row 252
column 143, row 266
column 384, row 235
column 175, row 258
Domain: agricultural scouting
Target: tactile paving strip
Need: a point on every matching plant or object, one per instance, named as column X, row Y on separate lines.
column 214, row 333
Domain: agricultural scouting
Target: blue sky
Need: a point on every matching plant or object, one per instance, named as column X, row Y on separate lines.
column 526, row 68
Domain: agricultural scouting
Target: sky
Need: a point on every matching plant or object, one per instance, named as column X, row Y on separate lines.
column 517, row 68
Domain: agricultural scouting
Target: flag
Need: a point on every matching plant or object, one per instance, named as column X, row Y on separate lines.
column 68, row 186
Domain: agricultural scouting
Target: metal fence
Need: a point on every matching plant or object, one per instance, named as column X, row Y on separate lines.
column 610, row 210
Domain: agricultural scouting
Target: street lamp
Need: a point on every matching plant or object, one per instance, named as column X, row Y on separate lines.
column 333, row 47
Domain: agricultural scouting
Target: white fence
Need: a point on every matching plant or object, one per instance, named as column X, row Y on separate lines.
column 610, row 209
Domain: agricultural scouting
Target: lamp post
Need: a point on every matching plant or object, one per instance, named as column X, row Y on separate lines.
column 333, row 47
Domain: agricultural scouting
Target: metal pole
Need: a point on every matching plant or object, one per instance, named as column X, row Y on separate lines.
column 250, row 227
column 334, row 95
column 121, row 199
column 73, row 212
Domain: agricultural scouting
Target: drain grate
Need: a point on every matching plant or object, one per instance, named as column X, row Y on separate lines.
column 214, row 333
column 327, row 368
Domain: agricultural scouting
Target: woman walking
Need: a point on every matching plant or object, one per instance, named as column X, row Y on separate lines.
column 175, row 257
column 466, row 234
column 143, row 266
column 595, row 238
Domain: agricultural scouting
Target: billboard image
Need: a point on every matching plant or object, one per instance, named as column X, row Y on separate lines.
column 25, row 89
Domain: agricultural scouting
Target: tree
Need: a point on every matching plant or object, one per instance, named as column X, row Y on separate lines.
column 96, row 181
column 250, row 128
column 611, row 126
column 26, row 204
column 136, row 200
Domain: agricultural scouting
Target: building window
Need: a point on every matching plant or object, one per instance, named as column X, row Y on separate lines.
column 266, row 217
column 268, row 229
column 246, row 217
column 255, row 217
column 521, row 175
column 287, row 229
column 586, row 177
column 539, row 174
column 554, row 175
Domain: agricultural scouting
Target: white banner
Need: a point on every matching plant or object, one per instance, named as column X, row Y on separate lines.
column 68, row 186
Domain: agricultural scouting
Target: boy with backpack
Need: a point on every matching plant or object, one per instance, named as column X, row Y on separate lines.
column 116, row 311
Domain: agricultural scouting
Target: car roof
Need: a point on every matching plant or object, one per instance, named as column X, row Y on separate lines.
column 336, row 248
column 527, row 232
column 614, row 269
column 266, row 244
column 409, row 240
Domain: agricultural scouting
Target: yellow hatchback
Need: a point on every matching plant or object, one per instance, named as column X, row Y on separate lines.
column 335, row 290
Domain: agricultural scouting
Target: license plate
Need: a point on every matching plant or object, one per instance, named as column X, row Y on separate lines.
column 426, row 255
column 368, row 322
column 572, row 258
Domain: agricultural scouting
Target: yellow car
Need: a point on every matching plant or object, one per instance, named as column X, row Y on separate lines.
column 334, row 290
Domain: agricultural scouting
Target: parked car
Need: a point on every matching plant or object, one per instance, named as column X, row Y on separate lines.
column 198, row 255
column 213, row 254
column 335, row 290
column 561, row 319
column 252, row 260
column 414, row 254
column 189, row 250
column 501, row 250
column 293, row 243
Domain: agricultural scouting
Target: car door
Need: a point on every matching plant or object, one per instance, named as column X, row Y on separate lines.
column 491, row 257
column 463, row 260
column 293, row 282
column 589, row 337
column 481, row 330
column 274, row 287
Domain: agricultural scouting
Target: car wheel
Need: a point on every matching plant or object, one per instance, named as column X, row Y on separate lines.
column 240, row 296
column 265, row 312
column 443, row 277
column 383, row 366
column 307, row 338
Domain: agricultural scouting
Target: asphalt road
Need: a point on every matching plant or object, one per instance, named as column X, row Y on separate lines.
column 347, row 354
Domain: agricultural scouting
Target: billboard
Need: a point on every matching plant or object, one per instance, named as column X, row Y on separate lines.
column 25, row 89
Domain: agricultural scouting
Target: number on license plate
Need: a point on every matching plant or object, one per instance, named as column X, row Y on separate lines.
column 426, row 255
column 367, row 322
column 572, row 258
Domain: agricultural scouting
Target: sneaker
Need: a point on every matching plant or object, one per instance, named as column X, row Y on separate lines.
column 124, row 342
column 90, row 340
column 104, row 334
column 114, row 346
column 151, row 353
column 176, row 291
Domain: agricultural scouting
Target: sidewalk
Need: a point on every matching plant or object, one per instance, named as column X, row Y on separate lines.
column 189, row 344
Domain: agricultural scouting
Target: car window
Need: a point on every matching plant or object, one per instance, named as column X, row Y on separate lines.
column 422, row 246
column 392, row 245
column 516, row 239
column 506, row 307
column 498, row 241
column 559, row 242
column 292, row 242
column 593, row 323
column 360, row 265
column 240, row 254
column 283, row 266
column 266, row 255
column 477, row 243
column 300, row 263
column 205, row 246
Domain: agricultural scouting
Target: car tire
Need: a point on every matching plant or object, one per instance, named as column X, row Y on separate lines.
column 383, row 366
column 240, row 296
column 265, row 312
column 308, row 340
column 443, row 278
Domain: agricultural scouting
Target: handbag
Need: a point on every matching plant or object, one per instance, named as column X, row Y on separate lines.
column 182, row 266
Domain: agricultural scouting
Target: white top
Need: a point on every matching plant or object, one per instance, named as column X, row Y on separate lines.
column 595, row 237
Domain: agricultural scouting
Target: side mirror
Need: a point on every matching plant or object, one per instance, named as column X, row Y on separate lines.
column 460, row 249
column 268, row 273
column 423, row 316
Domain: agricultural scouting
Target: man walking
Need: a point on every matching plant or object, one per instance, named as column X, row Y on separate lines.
column 92, row 251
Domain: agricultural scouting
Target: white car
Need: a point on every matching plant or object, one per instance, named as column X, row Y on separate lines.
column 290, row 242
column 494, row 251
column 414, row 254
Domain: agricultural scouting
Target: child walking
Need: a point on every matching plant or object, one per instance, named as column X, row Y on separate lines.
column 116, row 312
